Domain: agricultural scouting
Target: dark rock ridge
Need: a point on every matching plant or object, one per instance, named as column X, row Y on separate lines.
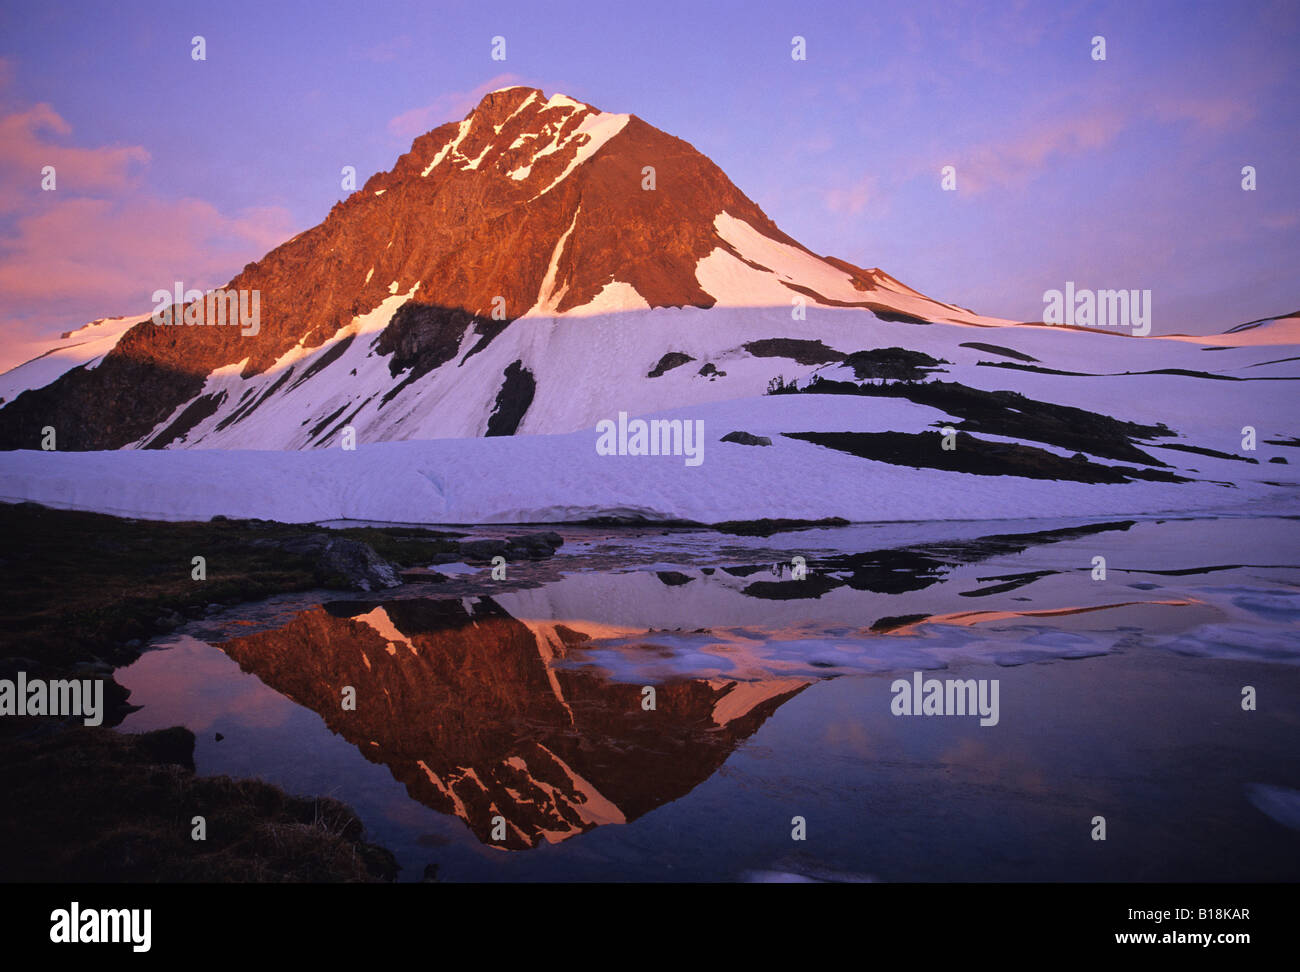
column 513, row 399
column 982, row 457
column 1006, row 413
column 898, row 570
column 671, row 360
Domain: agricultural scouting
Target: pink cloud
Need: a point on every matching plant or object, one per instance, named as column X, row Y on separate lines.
column 84, row 259
column 1015, row 160
column 108, row 257
column 852, row 199
column 30, row 140
column 1210, row 113
column 99, row 244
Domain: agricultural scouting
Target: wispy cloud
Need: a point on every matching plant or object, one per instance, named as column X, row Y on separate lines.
column 1011, row 161
column 1015, row 160
column 853, row 199
column 386, row 51
column 1207, row 113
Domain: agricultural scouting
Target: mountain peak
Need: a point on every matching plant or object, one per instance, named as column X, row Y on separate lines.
column 516, row 94
column 516, row 133
column 531, row 206
column 506, row 100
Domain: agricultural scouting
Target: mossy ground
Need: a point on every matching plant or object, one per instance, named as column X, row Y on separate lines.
column 91, row 804
column 88, row 804
column 78, row 586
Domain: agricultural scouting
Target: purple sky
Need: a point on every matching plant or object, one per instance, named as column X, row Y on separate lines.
column 1123, row 173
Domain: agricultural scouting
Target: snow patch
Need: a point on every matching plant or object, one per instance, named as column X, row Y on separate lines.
column 449, row 147
column 522, row 105
column 547, row 298
column 382, row 625
column 598, row 128
column 558, row 100
column 558, row 478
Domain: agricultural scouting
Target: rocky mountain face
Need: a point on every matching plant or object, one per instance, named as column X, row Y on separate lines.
column 530, row 207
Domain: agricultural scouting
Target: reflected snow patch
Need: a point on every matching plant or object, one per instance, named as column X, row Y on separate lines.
column 1276, row 802
column 457, row 569
column 1049, row 646
column 1238, row 642
column 816, row 652
column 815, row 875
column 1282, row 605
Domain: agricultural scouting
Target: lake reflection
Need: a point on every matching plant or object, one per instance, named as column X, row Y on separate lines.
column 466, row 707
column 677, row 700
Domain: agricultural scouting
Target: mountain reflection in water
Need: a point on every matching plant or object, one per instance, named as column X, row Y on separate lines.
column 463, row 703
